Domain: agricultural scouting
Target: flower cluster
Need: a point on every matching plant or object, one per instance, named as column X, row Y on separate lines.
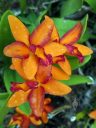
column 34, row 57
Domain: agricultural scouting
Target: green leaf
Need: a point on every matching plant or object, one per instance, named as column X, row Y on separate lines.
column 64, row 25
column 30, row 19
column 84, row 22
column 4, row 97
column 80, row 115
column 92, row 4
column 74, row 62
column 23, row 4
column 78, row 79
column 85, row 36
column 70, row 6
column 10, row 76
column 25, row 108
column 5, row 32
column 93, row 125
column 42, row 13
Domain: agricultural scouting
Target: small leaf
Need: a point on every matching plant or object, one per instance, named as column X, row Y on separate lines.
column 78, row 79
column 80, row 115
column 74, row 62
column 70, row 6
column 25, row 108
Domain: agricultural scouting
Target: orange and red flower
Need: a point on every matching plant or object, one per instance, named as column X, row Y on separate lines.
column 24, row 121
column 36, row 50
column 34, row 93
column 33, row 57
column 43, row 48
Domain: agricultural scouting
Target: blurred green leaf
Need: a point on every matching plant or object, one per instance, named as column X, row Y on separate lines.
column 5, row 32
column 74, row 62
column 3, row 97
column 25, row 108
column 70, row 6
column 77, row 79
column 92, row 4
column 10, row 76
column 3, row 106
column 30, row 19
column 23, row 4
column 93, row 125
column 80, row 115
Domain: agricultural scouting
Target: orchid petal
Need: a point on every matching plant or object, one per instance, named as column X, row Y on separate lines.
column 19, row 31
column 55, row 49
column 18, row 98
column 43, row 73
column 35, row 121
column 30, row 66
column 16, row 50
column 55, row 35
column 73, row 35
column 36, row 100
column 44, row 117
column 58, row 74
column 54, row 87
column 17, row 63
column 83, row 49
column 65, row 65
column 42, row 34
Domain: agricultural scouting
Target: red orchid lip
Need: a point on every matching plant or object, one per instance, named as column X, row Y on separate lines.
column 32, row 84
column 78, row 54
column 32, row 47
column 60, row 58
column 46, row 62
column 14, row 87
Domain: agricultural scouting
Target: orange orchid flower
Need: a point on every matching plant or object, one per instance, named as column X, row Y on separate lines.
column 70, row 41
column 36, row 50
column 93, row 114
column 34, row 93
column 24, row 121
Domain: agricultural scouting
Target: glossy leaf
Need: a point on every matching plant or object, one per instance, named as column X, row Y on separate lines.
column 78, row 79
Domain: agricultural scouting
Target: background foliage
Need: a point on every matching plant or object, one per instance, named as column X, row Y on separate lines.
column 75, row 107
